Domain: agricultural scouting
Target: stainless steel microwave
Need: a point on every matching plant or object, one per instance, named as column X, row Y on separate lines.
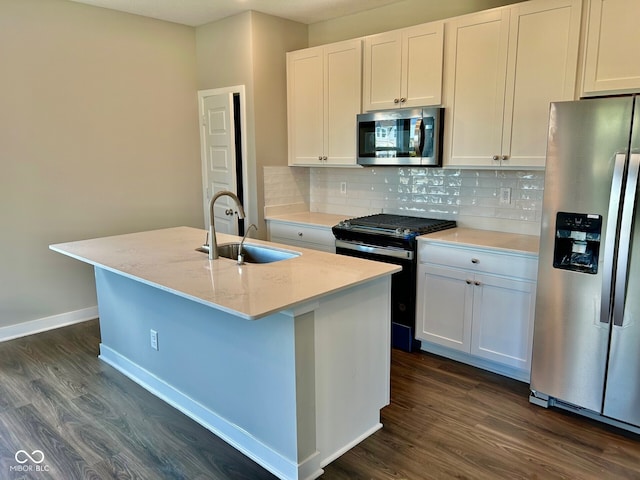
column 407, row 136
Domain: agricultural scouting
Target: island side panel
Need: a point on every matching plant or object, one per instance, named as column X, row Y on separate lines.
column 353, row 355
column 247, row 381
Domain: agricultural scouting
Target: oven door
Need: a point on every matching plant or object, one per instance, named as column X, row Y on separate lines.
column 403, row 288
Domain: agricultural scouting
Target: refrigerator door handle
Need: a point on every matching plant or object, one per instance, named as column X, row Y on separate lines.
column 626, row 223
column 610, row 240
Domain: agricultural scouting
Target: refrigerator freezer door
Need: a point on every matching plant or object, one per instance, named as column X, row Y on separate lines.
column 571, row 334
column 622, row 391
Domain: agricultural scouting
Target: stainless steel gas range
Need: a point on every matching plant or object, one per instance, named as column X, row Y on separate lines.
column 391, row 239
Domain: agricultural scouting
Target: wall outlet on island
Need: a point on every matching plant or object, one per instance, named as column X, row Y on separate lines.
column 154, row 339
column 505, row 196
column 343, row 188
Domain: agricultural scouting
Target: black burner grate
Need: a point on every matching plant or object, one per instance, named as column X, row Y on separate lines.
column 403, row 222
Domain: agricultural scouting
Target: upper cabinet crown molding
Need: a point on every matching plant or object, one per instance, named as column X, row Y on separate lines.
column 612, row 58
column 324, row 91
column 403, row 68
column 502, row 69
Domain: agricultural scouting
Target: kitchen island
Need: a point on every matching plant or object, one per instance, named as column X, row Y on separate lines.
column 287, row 361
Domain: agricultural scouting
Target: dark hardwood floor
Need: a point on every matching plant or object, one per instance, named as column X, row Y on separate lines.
column 446, row 420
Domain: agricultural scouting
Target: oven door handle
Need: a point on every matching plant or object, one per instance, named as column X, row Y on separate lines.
column 382, row 251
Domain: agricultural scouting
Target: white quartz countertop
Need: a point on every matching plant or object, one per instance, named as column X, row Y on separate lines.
column 167, row 259
column 309, row 218
column 511, row 242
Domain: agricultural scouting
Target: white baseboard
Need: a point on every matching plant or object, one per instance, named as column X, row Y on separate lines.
column 504, row 370
column 47, row 323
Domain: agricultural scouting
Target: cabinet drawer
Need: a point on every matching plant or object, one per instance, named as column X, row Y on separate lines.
column 479, row 260
column 301, row 233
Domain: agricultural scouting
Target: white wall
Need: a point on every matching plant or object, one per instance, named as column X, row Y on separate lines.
column 98, row 136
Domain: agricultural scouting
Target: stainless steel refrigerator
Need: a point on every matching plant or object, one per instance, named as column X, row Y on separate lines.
column 586, row 347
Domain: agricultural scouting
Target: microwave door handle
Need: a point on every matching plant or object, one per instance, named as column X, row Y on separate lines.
column 418, row 137
column 628, row 209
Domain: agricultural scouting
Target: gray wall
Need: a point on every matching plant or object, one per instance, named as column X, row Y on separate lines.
column 98, row 136
column 253, row 55
column 398, row 15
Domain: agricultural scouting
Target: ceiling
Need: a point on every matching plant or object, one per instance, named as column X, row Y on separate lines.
column 199, row 12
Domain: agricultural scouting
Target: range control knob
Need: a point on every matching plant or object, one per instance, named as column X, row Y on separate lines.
column 407, row 231
column 345, row 224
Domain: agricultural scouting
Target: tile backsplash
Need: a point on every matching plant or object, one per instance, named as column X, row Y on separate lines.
column 472, row 197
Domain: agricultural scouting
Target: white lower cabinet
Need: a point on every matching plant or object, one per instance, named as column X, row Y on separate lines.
column 477, row 306
column 301, row 235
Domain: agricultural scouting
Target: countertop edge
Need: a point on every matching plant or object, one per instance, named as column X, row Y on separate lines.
column 265, row 311
column 314, row 219
column 528, row 245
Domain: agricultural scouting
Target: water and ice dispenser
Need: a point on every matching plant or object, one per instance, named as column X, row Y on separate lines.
column 577, row 242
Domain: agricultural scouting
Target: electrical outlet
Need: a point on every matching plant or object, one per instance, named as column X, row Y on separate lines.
column 505, row 196
column 343, row 188
column 154, row 339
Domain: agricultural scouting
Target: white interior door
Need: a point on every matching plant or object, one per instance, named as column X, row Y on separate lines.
column 219, row 158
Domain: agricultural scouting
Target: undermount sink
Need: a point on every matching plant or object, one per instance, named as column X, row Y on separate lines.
column 252, row 253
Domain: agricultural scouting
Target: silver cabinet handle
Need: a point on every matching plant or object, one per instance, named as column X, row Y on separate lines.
column 402, row 99
column 475, row 260
column 469, row 282
column 324, row 158
column 477, row 283
column 496, row 157
column 505, row 157
column 300, row 234
column 396, row 100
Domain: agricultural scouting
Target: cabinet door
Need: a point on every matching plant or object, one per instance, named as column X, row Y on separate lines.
column 475, row 75
column 444, row 310
column 342, row 100
column 542, row 67
column 503, row 310
column 382, row 71
column 422, row 65
column 305, row 106
column 612, row 61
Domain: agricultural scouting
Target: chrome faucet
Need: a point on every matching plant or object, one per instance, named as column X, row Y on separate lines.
column 240, row 254
column 213, row 244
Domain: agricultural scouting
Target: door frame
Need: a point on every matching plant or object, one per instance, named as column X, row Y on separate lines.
column 202, row 94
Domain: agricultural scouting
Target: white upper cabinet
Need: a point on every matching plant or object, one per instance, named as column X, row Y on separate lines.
column 475, row 76
column 403, row 68
column 612, row 59
column 503, row 68
column 324, row 90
